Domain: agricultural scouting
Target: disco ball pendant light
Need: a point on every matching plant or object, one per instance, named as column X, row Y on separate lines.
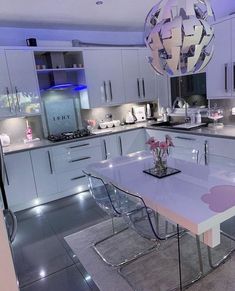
column 179, row 36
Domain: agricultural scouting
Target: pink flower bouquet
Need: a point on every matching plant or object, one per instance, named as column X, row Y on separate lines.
column 160, row 151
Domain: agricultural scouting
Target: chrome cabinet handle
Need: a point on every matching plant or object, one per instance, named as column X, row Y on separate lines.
column 206, row 152
column 111, row 91
column 79, row 146
column 226, row 77
column 17, row 99
column 120, row 144
column 143, row 84
column 80, row 159
column 77, row 178
column 105, row 92
column 138, row 87
column 185, row 138
column 8, row 99
column 105, row 150
column 50, row 163
column 234, row 76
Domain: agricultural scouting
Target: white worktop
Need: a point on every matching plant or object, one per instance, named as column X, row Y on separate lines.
column 227, row 132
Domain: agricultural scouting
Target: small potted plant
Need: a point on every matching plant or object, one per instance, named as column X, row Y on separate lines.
column 160, row 150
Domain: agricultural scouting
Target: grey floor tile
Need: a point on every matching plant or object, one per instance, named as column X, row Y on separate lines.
column 40, row 249
column 82, row 201
column 73, row 219
column 68, row 279
column 37, row 251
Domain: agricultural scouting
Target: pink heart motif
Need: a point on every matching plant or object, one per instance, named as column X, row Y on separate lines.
column 220, row 198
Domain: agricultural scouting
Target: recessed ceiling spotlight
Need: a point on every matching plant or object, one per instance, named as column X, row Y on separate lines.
column 99, row 2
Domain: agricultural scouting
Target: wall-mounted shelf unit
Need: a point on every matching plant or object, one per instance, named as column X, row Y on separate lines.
column 59, row 68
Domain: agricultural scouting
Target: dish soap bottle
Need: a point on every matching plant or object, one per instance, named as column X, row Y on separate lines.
column 29, row 131
column 198, row 117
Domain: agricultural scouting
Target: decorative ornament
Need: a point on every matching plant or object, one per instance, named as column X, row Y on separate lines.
column 179, row 36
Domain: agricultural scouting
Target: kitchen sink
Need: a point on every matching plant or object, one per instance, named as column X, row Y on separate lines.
column 177, row 125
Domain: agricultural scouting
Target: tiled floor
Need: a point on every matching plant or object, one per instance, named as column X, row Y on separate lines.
column 43, row 260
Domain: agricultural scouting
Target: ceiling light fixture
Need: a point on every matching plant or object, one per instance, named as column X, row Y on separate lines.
column 99, row 2
column 179, row 36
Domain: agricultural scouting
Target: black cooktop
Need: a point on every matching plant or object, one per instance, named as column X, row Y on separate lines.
column 69, row 135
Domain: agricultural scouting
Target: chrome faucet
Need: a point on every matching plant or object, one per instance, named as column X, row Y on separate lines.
column 186, row 107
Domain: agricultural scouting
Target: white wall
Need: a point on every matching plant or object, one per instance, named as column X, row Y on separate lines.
column 16, row 36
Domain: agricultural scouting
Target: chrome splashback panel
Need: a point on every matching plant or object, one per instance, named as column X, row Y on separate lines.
column 60, row 112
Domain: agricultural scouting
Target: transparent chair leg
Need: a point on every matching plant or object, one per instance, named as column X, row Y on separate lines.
column 142, row 254
column 183, row 286
column 96, row 244
column 166, row 234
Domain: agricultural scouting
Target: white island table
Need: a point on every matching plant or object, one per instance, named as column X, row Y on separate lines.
column 199, row 198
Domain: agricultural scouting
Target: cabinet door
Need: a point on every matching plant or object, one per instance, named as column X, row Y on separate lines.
column 219, row 74
column 132, row 141
column 186, row 146
column 103, row 69
column 110, row 147
column 132, row 80
column 148, row 77
column 233, row 56
column 24, row 82
column 163, row 90
column 6, row 99
column 19, row 184
column 43, row 167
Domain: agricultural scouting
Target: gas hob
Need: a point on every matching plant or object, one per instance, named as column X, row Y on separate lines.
column 69, row 135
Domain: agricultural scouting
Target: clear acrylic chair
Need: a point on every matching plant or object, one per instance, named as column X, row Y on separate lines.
column 106, row 199
column 228, row 165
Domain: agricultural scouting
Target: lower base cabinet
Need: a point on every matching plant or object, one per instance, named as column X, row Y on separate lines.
column 132, row 141
column 19, row 179
column 44, row 173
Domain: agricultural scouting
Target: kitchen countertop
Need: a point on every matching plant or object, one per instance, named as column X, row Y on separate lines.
column 227, row 132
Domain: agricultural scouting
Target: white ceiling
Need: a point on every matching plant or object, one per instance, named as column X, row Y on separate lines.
column 85, row 14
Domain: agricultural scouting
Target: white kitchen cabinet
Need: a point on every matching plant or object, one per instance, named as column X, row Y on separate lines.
column 131, row 74
column 110, row 146
column 24, row 85
column 219, row 72
column 139, row 78
column 221, row 146
column 104, row 77
column 147, row 77
column 132, row 141
column 70, row 160
column 7, row 108
column 19, row 182
column 163, row 91
column 44, row 172
column 186, row 146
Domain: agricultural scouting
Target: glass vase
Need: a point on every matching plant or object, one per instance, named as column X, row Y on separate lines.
column 160, row 161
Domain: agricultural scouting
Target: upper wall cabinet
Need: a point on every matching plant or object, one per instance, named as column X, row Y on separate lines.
column 139, row 78
column 147, row 76
column 24, row 85
column 6, row 99
column 19, row 94
column 220, row 71
column 103, row 70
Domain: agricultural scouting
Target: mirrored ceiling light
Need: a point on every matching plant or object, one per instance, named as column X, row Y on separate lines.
column 179, row 36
